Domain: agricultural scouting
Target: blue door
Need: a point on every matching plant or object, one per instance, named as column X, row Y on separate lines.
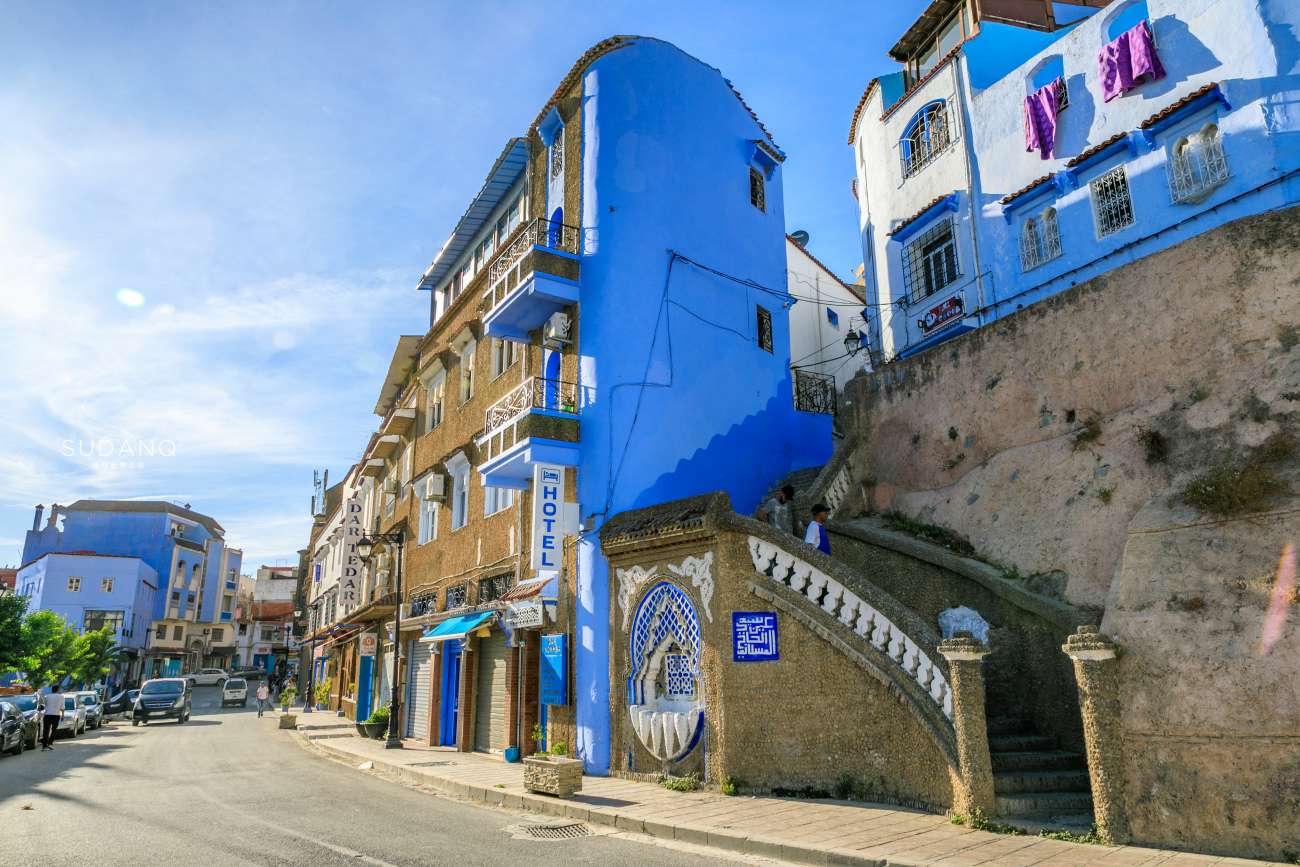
column 450, row 704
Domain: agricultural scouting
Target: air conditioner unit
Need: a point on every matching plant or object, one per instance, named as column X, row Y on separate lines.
column 435, row 487
column 556, row 331
column 390, row 486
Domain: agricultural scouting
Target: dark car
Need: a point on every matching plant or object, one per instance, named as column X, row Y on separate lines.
column 122, row 703
column 163, row 698
column 30, row 707
column 13, row 729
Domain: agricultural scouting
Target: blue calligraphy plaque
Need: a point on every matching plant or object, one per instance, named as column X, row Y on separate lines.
column 554, row 686
column 753, row 636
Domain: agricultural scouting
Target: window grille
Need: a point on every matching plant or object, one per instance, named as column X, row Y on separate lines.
column 557, row 153
column 422, row 605
column 493, row 588
column 814, row 392
column 1062, row 95
column 1040, row 240
column 757, row 189
column 764, row 329
column 679, row 676
column 927, row 136
column 1197, row 166
column 930, row 262
column 456, row 596
column 1112, row 207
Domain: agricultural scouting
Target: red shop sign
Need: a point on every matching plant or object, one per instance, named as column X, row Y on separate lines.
column 942, row 314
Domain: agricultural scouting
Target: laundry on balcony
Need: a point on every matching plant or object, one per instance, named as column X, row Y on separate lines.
column 1122, row 63
column 1040, row 119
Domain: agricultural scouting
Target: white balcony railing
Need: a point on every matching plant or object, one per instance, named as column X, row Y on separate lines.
column 534, row 393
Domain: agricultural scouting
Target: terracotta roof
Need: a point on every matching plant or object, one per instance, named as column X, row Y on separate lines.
column 591, row 55
column 821, row 265
column 1020, row 192
column 1095, row 149
column 1161, row 115
column 854, row 187
column 912, row 219
column 857, row 112
column 940, row 65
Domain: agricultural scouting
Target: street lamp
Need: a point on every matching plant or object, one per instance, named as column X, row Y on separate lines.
column 366, row 547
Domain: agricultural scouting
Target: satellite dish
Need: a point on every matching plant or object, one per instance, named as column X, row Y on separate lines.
column 800, row 237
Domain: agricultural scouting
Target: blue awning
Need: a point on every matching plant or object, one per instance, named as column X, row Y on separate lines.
column 458, row 627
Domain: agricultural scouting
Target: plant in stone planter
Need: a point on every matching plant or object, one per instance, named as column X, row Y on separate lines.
column 539, row 739
column 286, row 697
column 555, row 774
column 376, row 726
column 321, row 692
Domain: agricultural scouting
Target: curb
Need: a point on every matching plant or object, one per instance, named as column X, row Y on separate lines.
column 684, row 832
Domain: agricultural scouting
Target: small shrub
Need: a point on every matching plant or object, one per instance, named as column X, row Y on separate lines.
column 1155, row 444
column 560, row 749
column 379, row 716
column 1199, row 393
column 1012, row 572
column 1093, row 836
column 1090, row 432
column 1287, row 855
column 1276, row 448
column 731, row 786
column 1104, row 495
column 980, row 822
column 942, row 536
column 1228, row 491
column 681, row 784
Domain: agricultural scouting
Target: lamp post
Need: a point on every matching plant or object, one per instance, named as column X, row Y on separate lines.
column 365, row 548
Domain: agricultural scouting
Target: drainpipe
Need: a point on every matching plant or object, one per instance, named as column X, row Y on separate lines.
column 971, row 193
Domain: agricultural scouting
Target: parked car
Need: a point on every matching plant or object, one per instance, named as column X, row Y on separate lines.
column 30, row 706
column 13, row 729
column 162, row 698
column 122, row 703
column 235, row 690
column 208, row 677
column 74, row 717
column 249, row 673
column 94, row 707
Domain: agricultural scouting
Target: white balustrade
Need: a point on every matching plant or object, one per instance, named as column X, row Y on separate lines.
column 774, row 562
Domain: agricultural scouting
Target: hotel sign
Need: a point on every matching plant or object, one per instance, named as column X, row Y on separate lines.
column 548, row 510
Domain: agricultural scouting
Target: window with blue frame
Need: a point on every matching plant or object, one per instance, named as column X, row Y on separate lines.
column 927, row 135
column 832, row 317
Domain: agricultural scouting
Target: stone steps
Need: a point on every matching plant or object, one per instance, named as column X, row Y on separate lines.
column 1034, row 781
column 1021, row 743
column 1045, row 760
column 1044, row 804
column 800, row 480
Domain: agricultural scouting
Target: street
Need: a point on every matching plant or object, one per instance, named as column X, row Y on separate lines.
column 229, row 788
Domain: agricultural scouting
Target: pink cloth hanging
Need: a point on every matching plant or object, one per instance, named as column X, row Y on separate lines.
column 1040, row 119
column 1124, row 61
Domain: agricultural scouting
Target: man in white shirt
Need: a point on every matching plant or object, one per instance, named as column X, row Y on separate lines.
column 53, row 715
column 263, row 698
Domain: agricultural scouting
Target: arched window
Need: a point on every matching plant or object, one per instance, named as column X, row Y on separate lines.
column 1048, row 70
column 1125, row 19
column 1040, row 240
column 1197, row 165
column 927, row 135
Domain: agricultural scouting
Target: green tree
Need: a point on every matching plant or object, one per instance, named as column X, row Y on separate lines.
column 50, row 649
column 12, row 650
column 97, row 654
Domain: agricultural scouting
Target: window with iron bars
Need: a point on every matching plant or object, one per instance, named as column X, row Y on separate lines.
column 455, row 596
column 930, row 262
column 1112, row 206
column 426, row 604
column 557, row 152
column 1040, row 240
column 1197, row 165
column 927, row 136
column 491, row 589
column 764, row 328
column 757, row 189
column 814, row 392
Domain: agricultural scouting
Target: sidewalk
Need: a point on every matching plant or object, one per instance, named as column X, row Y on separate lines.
column 807, row 832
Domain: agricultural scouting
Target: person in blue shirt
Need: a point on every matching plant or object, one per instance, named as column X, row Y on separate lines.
column 816, row 534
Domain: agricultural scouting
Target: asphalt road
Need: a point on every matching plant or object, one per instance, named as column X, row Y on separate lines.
column 228, row 788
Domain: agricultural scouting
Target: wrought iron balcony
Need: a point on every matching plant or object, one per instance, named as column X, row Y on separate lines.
column 532, row 277
column 814, row 392
column 536, row 422
column 534, row 393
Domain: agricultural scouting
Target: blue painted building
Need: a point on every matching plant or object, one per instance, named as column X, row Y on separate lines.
column 964, row 219
column 633, row 244
column 93, row 592
column 197, row 572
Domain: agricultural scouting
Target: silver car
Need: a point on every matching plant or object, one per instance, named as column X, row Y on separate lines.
column 74, row 716
column 89, row 699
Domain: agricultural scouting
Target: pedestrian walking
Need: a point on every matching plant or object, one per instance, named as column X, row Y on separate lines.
column 777, row 510
column 263, row 698
column 53, row 716
column 816, row 534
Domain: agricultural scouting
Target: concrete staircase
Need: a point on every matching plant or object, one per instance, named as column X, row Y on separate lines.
column 801, row 480
column 1038, row 785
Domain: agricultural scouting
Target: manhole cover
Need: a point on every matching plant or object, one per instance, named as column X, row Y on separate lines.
column 557, row 832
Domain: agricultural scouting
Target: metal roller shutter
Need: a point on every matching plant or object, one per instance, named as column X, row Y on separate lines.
column 417, row 691
column 490, row 694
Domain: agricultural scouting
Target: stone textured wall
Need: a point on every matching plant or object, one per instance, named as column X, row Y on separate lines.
column 989, row 435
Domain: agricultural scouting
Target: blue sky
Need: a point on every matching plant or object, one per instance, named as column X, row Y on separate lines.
column 269, row 181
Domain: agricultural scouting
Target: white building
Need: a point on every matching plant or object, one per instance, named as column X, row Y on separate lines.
column 826, row 311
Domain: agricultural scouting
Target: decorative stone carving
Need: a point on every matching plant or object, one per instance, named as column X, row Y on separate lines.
column 698, row 570
column 965, row 619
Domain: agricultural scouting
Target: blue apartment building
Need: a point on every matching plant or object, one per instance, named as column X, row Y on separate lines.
column 1026, row 147
column 195, row 573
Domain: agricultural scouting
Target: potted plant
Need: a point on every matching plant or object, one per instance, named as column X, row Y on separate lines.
column 553, row 772
column 376, row 726
column 287, row 720
column 321, row 692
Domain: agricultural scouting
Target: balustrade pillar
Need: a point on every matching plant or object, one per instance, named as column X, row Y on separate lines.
column 965, row 654
column 1095, row 672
